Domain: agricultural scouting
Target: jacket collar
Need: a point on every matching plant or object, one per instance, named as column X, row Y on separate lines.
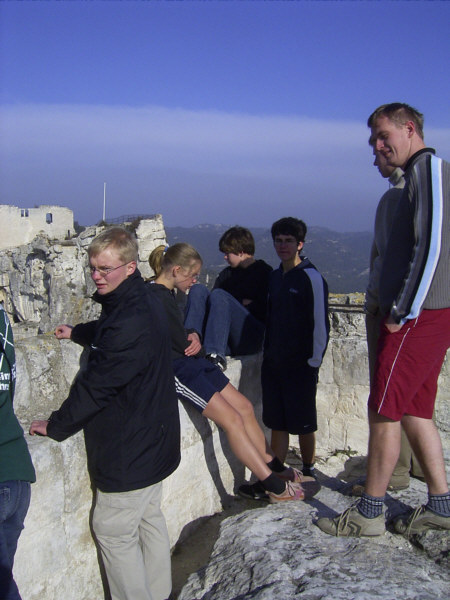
column 109, row 301
column 416, row 155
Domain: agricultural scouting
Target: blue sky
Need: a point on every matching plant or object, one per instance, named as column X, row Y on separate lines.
column 212, row 112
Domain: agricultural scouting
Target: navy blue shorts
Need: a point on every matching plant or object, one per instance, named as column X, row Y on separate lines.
column 197, row 380
column 289, row 397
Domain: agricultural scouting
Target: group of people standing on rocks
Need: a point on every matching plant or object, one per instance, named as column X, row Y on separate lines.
column 147, row 351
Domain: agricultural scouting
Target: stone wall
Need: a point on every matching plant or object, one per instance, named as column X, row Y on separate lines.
column 20, row 225
column 57, row 557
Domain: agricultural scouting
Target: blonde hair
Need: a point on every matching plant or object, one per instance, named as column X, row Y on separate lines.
column 122, row 241
column 163, row 258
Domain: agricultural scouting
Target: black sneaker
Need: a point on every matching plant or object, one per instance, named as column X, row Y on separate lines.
column 309, row 472
column 253, row 491
column 217, row 360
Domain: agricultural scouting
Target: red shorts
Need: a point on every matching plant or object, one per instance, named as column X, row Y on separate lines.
column 408, row 366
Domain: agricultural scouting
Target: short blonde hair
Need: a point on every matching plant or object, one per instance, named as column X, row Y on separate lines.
column 122, row 241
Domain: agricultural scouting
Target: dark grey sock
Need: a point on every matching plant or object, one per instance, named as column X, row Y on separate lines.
column 439, row 504
column 370, row 506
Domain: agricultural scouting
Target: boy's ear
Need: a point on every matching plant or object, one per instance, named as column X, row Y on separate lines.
column 300, row 245
column 131, row 268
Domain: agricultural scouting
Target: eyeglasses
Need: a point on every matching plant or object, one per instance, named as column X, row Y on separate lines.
column 104, row 271
column 193, row 278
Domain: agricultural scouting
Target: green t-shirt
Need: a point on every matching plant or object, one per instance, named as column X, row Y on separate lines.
column 15, row 459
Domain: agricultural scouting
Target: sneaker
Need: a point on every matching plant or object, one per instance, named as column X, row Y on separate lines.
column 419, row 520
column 293, row 491
column 253, row 491
column 351, row 523
column 294, row 475
column 307, row 472
column 217, row 360
column 309, row 483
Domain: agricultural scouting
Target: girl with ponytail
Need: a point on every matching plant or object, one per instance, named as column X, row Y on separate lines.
column 203, row 384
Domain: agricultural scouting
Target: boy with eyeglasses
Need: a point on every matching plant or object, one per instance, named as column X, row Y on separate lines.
column 297, row 330
column 125, row 402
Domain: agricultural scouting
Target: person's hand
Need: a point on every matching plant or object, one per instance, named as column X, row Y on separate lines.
column 195, row 345
column 246, row 301
column 63, row 332
column 391, row 325
column 38, row 428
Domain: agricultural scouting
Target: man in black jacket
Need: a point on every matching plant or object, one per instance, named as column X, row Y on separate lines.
column 126, row 404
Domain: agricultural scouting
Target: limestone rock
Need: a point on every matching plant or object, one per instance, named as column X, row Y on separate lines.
column 45, row 283
column 278, row 552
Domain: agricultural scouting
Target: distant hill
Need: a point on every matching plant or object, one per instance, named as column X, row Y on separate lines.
column 342, row 258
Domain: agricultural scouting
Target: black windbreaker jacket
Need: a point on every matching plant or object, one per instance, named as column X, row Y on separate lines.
column 125, row 399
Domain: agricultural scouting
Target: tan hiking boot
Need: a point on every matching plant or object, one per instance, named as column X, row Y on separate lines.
column 421, row 519
column 351, row 523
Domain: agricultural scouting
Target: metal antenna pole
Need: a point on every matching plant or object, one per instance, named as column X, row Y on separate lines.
column 104, row 202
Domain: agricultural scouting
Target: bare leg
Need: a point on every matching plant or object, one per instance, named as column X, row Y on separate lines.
column 280, row 444
column 307, row 443
column 426, row 444
column 245, row 408
column 227, row 417
column 384, row 449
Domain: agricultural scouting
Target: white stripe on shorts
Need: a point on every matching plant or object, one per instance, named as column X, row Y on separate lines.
column 187, row 394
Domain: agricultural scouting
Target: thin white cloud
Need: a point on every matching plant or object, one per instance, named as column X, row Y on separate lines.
column 211, row 163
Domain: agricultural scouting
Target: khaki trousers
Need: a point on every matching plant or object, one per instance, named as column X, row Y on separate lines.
column 407, row 462
column 134, row 542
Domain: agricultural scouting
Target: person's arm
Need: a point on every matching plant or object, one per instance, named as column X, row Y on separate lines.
column 194, row 344
column 84, row 333
column 257, row 304
column 38, row 428
column 424, row 253
column 122, row 352
column 63, row 332
column 391, row 325
column 319, row 316
column 371, row 297
column 221, row 278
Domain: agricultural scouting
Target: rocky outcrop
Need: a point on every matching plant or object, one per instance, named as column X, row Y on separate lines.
column 44, row 283
column 278, row 552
